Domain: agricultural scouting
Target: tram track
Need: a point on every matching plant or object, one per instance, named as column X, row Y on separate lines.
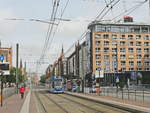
column 52, row 100
column 40, row 102
column 75, row 100
column 70, row 101
column 63, row 103
column 88, row 107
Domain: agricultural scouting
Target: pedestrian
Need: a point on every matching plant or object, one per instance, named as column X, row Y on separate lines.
column 22, row 90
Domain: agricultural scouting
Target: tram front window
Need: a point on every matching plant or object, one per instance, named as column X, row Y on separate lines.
column 57, row 83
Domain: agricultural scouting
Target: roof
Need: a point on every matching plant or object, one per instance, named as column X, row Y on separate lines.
column 118, row 23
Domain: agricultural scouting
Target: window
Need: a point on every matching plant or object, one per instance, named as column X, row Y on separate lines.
column 106, row 36
column 123, row 50
column 98, row 56
column 122, row 56
column 144, row 29
column 114, row 49
column 138, row 36
column 139, row 56
column 106, row 56
column 123, row 63
column 123, row 69
column 98, row 36
column 146, row 50
column 114, row 36
column 146, row 37
column 146, row 56
column 97, row 49
column 98, row 63
column 98, row 43
column 131, row 69
column 106, row 49
column 130, row 50
column 138, row 43
column 147, row 69
column 122, row 37
column 114, row 56
column 147, row 63
column 122, row 43
column 139, row 63
column 138, row 50
column 131, row 44
column 130, row 36
column 131, row 63
column 114, row 43
column 146, row 43
column 106, row 43
column 139, row 69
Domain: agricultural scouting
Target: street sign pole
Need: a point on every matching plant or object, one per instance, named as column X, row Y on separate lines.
column 1, row 88
column 17, row 55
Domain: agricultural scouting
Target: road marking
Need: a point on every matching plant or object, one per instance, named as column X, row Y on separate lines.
column 25, row 107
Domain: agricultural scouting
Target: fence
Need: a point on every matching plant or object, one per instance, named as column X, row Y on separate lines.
column 139, row 93
column 7, row 92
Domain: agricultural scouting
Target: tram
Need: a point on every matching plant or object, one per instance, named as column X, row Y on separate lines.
column 56, row 85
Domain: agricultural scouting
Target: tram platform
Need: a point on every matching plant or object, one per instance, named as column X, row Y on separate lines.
column 115, row 102
column 14, row 104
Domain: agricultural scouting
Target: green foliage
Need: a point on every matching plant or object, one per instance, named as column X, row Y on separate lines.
column 12, row 77
column 43, row 79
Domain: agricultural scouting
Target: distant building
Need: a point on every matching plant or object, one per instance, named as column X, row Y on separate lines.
column 7, row 53
column 6, row 60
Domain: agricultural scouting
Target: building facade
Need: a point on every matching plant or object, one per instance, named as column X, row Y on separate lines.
column 7, row 53
column 119, row 47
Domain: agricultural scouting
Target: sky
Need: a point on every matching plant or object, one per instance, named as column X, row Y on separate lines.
column 31, row 35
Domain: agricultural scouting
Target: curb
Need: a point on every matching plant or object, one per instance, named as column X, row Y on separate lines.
column 132, row 110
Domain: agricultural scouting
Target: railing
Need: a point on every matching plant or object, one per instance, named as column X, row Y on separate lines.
column 7, row 92
column 139, row 93
column 136, row 94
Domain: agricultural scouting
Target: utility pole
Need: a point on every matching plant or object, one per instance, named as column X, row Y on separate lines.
column 1, row 98
column 17, row 57
column 1, row 88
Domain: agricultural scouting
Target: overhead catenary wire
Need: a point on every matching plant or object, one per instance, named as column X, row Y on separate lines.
column 53, row 17
column 103, row 10
column 129, row 11
column 58, row 23
column 109, row 10
column 86, row 31
column 49, row 31
column 50, row 27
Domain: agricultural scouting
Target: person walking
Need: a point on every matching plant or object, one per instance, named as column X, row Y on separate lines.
column 22, row 90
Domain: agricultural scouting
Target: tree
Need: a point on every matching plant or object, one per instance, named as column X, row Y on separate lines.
column 43, row 79
column 12, row 77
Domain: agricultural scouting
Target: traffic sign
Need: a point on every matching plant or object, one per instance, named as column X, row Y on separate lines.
column 2, row 58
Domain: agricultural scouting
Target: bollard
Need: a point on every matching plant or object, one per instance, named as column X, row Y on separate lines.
column 128, row 95
column 135, row 95
column 117, row 93
column 122, row 93
column 143, row 95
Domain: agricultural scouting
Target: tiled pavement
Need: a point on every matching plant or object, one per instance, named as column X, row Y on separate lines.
column 144, row 107
column 15, row 104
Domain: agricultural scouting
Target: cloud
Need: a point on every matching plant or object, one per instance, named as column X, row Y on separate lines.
column 6, row 26
column 73, row 29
